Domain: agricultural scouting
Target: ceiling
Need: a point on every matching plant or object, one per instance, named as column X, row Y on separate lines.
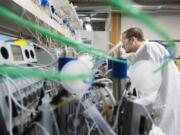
column 143, row 2
column 100, row 6
column 98, row 10
column 158, row 2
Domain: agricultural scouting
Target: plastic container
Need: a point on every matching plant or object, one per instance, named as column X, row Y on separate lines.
column 143, row 77
column 77, row 86
column 119, row 69
column 110, row 64
column 63, row 61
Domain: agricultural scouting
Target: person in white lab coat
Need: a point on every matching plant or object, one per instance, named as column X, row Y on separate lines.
column 168, row 94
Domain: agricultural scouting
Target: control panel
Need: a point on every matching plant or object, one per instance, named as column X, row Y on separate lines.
column 11, row 53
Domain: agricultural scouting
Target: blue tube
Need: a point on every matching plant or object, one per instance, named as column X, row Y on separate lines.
column 44, row 2
column 64, row 21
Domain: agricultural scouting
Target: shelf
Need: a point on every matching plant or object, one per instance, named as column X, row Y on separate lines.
column 33, row 11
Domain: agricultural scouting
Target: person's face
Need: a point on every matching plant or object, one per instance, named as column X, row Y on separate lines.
column 127, row 44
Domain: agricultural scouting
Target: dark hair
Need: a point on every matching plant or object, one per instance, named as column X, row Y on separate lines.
column 134, row 32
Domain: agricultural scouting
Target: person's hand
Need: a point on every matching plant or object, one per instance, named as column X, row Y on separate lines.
column 122, row 52
column 156, row 131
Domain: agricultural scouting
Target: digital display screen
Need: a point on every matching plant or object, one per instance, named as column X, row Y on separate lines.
column 17, row 53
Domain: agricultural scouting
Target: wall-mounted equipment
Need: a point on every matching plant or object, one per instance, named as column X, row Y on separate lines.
column 11, row 53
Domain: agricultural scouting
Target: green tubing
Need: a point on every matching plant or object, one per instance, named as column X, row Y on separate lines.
column 80, row 46
column 18, row 71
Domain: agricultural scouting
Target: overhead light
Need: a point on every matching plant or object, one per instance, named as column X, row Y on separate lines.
column 88, row 26
column 87, row 23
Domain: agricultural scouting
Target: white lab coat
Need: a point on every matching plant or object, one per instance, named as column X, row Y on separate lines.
column 168, row 95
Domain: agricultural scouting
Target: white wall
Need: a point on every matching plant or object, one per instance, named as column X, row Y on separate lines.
column 101, row 39
column 98, row 39
column 170, row 23
column 87, row 36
